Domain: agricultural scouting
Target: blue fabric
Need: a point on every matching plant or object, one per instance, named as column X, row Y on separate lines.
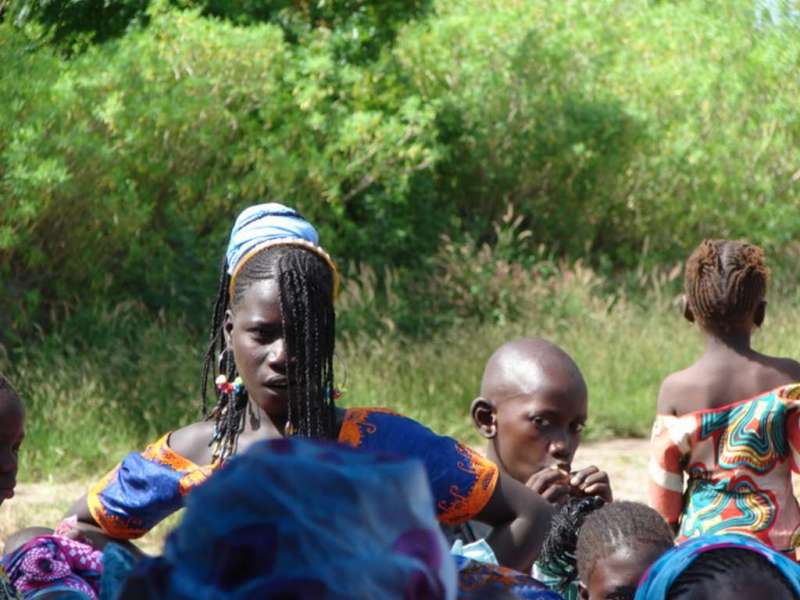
column 145, row 488
column 310, row 519
column 658, row 579
column 482, row 580
column 264, row 223
column 462, row 481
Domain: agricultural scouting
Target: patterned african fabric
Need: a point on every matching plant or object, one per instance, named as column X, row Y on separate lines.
column 54, row 563
column 738, row 460
column 657, row 580
column 308, row 520
column 148, row 486
column 481, row 579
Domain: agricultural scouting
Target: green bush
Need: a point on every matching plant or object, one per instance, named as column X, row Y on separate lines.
column 121, row 169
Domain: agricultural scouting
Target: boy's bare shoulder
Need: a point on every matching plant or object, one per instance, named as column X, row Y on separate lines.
column 192, row 442
column 677, row 389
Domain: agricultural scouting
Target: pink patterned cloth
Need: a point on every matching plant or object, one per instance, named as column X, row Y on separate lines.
column 51, row 561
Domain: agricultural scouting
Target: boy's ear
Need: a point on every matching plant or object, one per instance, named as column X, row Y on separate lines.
column 227, row 327
column 583, row 591
column 760, row 313
column 687, row 310
column 484, row 417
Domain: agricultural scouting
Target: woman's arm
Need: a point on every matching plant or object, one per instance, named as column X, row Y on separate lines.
column 146, row 486
column 520, row 519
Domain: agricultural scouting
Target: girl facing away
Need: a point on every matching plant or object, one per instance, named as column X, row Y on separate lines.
column 730, row 420
column 270, row 355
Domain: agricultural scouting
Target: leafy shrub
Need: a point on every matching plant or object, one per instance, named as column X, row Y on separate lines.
column 122, row 168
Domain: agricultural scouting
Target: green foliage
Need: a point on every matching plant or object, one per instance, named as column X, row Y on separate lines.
column 362, row 27
column 121, row 168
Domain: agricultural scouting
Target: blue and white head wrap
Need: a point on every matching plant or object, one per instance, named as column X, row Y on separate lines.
column 268, row 225
column 662, row 574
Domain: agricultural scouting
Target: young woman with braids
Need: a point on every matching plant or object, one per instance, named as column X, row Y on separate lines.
column 271, row 357
column 730, row 420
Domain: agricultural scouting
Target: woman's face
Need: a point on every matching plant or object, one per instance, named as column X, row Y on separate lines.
column 254, row 331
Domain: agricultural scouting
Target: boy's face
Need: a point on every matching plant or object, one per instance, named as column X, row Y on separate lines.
column 12, row 431
column 539, row 429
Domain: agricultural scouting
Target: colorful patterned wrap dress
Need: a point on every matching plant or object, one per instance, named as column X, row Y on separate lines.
column 738, row 460
column 148, row 486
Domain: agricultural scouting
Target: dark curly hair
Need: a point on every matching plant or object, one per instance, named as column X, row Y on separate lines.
column 724, row 282
column 586, row 529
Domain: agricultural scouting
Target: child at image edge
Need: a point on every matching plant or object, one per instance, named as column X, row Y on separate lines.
column 730, row 420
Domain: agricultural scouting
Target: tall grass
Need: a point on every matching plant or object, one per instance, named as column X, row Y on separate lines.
column 88, row 404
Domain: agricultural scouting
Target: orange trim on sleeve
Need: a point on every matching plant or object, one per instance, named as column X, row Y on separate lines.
column 465, row 507
column 110, row 524
column 354, row 419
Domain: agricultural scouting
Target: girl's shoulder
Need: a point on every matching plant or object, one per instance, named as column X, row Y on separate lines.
column 680, row 392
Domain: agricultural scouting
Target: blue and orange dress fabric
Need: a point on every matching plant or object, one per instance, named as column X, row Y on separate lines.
column 148, row 486
column 738, row 461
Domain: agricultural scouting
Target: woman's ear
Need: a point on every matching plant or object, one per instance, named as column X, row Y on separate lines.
column 227, row 327
column 687, row 310
column 484, row 417
column 583, row 591
column 760, row 313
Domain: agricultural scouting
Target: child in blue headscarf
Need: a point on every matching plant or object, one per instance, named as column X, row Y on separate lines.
column 731, row 566
column 270, row 356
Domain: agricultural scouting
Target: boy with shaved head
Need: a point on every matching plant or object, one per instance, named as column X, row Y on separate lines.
column 531, row 410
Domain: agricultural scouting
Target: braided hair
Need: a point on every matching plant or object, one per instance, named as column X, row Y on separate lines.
column 305, row 282
column 723, row 567
column 724, row 282
column 585, row 529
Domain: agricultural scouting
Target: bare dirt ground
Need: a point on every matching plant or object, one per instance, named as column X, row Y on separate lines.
column 45, row 503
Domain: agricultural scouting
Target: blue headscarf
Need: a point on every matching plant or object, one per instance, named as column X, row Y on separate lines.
column 266, row 225
column 658, row 579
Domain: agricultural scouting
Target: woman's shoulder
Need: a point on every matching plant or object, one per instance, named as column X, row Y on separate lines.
column 192, row 442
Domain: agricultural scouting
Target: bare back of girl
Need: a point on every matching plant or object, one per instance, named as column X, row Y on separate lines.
column 727, row 431
column 725, row 296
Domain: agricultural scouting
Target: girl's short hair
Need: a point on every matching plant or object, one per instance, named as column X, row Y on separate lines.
column 585, row 530
column 724, row 282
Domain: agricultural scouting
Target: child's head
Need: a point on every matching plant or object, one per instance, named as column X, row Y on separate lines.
column 731, row 573
column 273, row 326
column 731, row 566
column 532, row 407
column 12, row 430
column 725, row 285
column 606, row 546
column 616, row 545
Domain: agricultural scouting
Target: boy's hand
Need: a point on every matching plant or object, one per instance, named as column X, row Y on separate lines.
column 552, row 484
column 591, row 481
